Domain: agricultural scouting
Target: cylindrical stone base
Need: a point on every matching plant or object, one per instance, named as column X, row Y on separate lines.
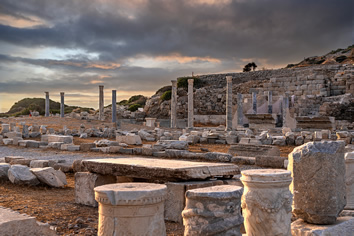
column 213, row 211
column 349, row 180
column 266, row 202
column 131, row 209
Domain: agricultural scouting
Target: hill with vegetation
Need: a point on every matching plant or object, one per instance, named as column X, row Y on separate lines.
column 339, row 56
column 24, row 106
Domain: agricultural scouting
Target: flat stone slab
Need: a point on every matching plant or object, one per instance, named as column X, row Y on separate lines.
column 168, row 170
column 14, row 223
column 253, row 150
column 344, row 226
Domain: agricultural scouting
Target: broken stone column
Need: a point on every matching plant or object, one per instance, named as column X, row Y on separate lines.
column 228, row 103
column 131, row 209
column 266, row 202
column 318, row 171
column 62, row 104
column 213, row 211
column 174, row 104
column 270, row 102
column 349, row 179
column 254, row 101
column 239, row 109
column 114, row 106
column 101, row 103
column 46, row 104
column 190, row 104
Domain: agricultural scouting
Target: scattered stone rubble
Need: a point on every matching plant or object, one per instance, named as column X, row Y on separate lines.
column 20, row 170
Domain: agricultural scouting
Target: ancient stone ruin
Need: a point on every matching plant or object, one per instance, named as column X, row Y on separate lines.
column 260, row 153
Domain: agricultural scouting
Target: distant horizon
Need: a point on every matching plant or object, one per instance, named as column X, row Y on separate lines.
column 138, row 46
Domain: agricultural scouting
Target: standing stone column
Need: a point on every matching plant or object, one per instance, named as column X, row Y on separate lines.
column 62, row 104
column 213, row 211
column 25, row 131
column 239, row 109
column 228, row 103
column 114, row 106
column 190, row 104
column 270, row 102
column 131, row 209
column 46, row 104
column 318, row 171
column 174, row 104
column 285, row 108
column 266, row 202
column 254, row 101
column 349, row 179
column 101, row 103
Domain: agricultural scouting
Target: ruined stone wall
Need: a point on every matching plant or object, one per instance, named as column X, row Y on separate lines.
column 308, row 85
column 320, row 81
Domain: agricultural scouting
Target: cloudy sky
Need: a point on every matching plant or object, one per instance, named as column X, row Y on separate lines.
column 137, row 46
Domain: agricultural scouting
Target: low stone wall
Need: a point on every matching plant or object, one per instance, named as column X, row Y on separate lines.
column 210, row 119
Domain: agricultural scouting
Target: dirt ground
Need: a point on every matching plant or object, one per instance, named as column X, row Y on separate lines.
column 57, row 207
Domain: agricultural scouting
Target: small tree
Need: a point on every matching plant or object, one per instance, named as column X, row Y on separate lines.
column 247, row 68
column 250, row 66
column 253, row 65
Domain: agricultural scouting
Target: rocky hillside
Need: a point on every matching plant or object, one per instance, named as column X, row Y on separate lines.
column 24, row 106
column 339, row 56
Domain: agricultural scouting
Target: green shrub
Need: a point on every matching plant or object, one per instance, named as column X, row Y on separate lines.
column 166, row 95
column 134, row 107
column 164, row 89
column 134, row 98
column 123, row 102
column 183, row 82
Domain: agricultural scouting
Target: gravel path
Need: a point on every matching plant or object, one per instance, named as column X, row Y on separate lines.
column 48, row 154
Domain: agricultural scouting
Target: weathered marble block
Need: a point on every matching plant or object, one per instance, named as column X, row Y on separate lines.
column 60, row 138
column 318, row 171
column 252, row 150
column 266, row 202
column 19, row 174
column 344, row 226
column 131, row 209
column 8, row 159
column 270, row 161
column 349, row 179
column 4, row 167
column 85, row 182
column 51, row 177
column 131, row 139
column 15, row 223
column 157, row 169
column 175, row 198
column 213, row 211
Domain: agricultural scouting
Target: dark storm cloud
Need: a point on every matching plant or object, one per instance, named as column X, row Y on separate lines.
column 83, row 64
column 279, row 30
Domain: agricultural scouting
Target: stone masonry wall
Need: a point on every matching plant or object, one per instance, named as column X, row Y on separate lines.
column 309, row 85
